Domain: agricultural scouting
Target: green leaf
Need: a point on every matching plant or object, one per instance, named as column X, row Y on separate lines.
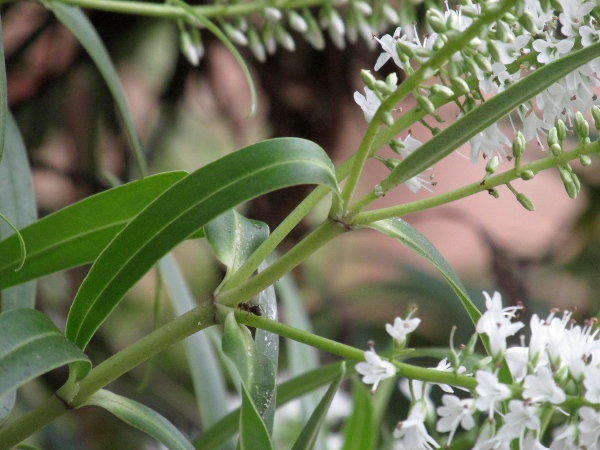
column 411, row 238
column 234, row 238
column 267, row 344
column 253, row 432
column 309, row 434
column 141, row 417
column 360, row 430
column 78, row 233
column 17, row 203
column 7, row 403
column 488, row 113
column 257, row 372
column 184, row 208
column 31, row 345
column 286, row 391
column 209, row 385
column 77, row 22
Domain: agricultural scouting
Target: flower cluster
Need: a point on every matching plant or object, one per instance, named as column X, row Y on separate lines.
column 546, row 391
column 268, row 29
column 531, row 36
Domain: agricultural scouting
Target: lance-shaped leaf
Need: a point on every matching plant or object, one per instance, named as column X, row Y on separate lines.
column 186, row 206
column 256, row 371
column 17, row 204
column 360, row 430
column 78, row 233
column 253, row 432
column 234, row 238
column 141, row 417
column 411, row 238
column 308, row 435
column 31, row 345
column 77, row 22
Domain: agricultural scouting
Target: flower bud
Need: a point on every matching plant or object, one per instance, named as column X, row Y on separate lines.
column 452, row 21
column 188, row 49
column 404, row 49
column 528, row 22
column 426, row 104
column 442, row 91
column 492, row 165
column 396, row 145
column 313, row 34
column 382, row 87
column 525, row 202
column 526, row 175
column 571, row 190
column 581, row 126
column 561, row 130
column 585, row 160
column 552, row 136
column 471, row 66
column 565, row 176
column 435, row 18
column 518, row 145
column 501, row 32
column 576, row 182
column 363, row 8
column 494, row 193
column 255, row 45
column 460, row 85
column 387, row 118
column 272, row 14
column 483, row 63
column 596, row 116
column 368, row 78
column 392, row 81
column 390, row 14
column 236, row 36
column 297, row 22
column 268, row 38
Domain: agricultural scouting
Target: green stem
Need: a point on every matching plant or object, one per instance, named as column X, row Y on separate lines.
column 343, row 350
column 171, row 333
column 166, row 11
column 490, row 183
column 315, row 240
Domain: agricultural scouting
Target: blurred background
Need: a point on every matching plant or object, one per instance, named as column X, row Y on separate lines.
column 188, row 116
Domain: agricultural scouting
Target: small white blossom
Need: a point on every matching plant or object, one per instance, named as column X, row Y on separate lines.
column 490, row 141
column 388, row 44
column 589, row 427
column 412, row 433
column 402, row 327
column 496, row 323
column 453, row 413
column 490, row 392
column 541, row 387
column 369, row 103
column 520, row 418
column 375, row 369
column 591, row 381
column 551, row 49
column 565, row 438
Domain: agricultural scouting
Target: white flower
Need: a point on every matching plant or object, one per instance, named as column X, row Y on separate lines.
column 551, row 49
column 369, row 103
column 388, row 44
column 589, row 35
column 589, row 427
column 565, row 438
column 489, row 141
column 375, row 369
column 541, row 387
column 520, row 418
column 573, row 15
column 490, row 392
column 591, row 381
column 517, row 359
column 496, row 324
column 402, row 328
column 412, row 433
column 445, row 366
column 453, row 413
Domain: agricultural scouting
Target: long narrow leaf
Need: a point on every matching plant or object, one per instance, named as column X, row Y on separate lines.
column 3, row 99
column 209, row 385
column 17, row 203
column 141, row 417
column 77, row 234
column 253, row 432
column 310, row 432
column 286, row 391
column 31, row 345
column 180, row 210
column 78, row 23
column 267, row 344
column 360, row 430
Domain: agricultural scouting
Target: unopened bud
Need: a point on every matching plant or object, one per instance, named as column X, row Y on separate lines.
column 368, row 78
column 483, row 63
column 556, row 149
column 387, row 118
column 392, row 80
column 526, row 175
column 272, row 14
column 525, row 202
column 382, row 87
column 552, row 136
column 426, row 104
column 585, row 160
column 581, row 126
column 565, row 176
column 188, row 49
column 561, row 130
column 469, row 349
column 528, row 22
column 442, row 91
column 517, row 146
column 256, row 46
column 404, row 49
column 452, row 21
column 576, row 182
column 297, row 22
column 492, row 165
column 460, row 85
column 494, row 193
column 596, row 116
column 571, row 190
column 396, row 145
column 436, row 20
